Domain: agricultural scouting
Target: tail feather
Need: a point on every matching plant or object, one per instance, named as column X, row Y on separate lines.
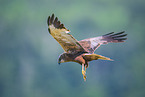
column 90, row 57
column 104, row 58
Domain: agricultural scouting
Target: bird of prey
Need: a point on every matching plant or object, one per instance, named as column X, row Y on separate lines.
column 82, row 51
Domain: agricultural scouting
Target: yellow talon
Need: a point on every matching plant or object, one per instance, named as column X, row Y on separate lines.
column 84, row 72
column 84, row 75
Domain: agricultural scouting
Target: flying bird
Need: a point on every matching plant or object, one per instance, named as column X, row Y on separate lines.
column 81, row 51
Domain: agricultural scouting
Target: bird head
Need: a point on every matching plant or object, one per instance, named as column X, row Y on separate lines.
column 64, row 58
column 61, row 59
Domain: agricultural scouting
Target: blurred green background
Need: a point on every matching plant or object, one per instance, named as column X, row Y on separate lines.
column 28, row 53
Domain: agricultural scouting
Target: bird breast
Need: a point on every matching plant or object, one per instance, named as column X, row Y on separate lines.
column 79, row 59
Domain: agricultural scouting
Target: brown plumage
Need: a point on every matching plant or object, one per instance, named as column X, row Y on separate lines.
column 80, row 51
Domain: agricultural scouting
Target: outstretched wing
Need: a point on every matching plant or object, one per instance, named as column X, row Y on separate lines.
column 91, row 44
column 61, row 34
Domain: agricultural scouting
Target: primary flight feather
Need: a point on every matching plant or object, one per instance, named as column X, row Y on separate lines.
column 80, row 51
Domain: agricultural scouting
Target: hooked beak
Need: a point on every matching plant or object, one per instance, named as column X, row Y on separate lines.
column 62, row 61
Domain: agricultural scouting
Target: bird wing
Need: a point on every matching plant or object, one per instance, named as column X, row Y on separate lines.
column 61, row 34
column 91, row 44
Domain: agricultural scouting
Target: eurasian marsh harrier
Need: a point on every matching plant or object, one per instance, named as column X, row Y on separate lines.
column 80, row 51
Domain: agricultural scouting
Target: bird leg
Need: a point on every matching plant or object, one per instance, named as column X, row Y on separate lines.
column 84, row 72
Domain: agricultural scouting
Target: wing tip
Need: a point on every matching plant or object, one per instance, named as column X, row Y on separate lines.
column 48, row 20
column 52, row 20
column 108, row 34
column 119, row 37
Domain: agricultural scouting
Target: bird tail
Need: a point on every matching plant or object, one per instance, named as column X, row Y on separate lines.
column 91, row 57
column 104, row 58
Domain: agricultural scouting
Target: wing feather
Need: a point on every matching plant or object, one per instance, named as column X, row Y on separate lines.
column 91, row 44
column 61, row 34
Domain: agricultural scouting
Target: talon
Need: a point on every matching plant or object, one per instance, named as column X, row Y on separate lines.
column 84, row 72
column 84, row 77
